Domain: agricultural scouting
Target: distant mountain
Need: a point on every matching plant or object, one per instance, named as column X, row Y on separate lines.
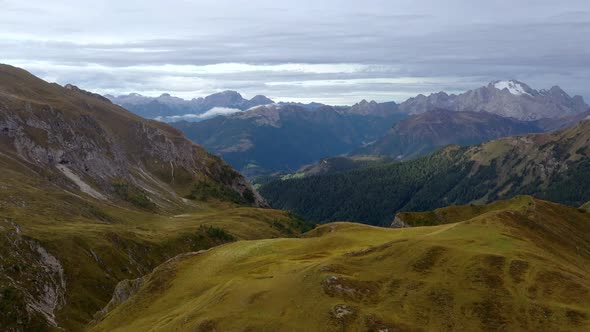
column 553, row 166
column 311, row 106
column 166, row 105
column 548, row 124
column 281, row 137
column 372, row 108
column 424, row 133
column 506, row 98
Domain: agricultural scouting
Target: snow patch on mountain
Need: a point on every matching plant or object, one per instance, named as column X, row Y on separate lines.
column 272, row 105
column 513, row 87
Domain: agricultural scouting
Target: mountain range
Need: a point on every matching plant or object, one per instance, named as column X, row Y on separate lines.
column 506, row 98
column 278, row 137
column 510, row 98
column 426, row 132
column 166, row 106
column 283, row 137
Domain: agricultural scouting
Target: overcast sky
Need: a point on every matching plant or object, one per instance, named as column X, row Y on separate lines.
column 332, row 51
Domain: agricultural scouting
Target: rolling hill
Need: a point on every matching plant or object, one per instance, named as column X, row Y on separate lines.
column 91, row 194
column 552, row 166
column 521, row 266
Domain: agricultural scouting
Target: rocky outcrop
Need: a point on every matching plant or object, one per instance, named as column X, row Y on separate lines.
column 372, row 108
column 32, row 281
column 398, row 222
column 123, row 291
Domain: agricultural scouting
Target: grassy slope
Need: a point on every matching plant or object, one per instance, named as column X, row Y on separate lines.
column 522, row 267
column 453, row 214
column 46, row 223
column 100, row 243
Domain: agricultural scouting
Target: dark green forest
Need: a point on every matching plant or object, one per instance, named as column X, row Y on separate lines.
column 374, row 195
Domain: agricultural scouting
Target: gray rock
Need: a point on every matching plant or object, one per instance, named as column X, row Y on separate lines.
column 399, row 223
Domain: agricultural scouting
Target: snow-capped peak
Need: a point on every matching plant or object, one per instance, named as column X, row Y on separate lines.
column 513, row 87
column 271, row 105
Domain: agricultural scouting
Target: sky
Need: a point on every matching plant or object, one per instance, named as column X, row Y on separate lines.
column 330, row 51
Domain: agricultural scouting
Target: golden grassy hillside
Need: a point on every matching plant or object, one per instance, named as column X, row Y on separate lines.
column 520, row 267
column 453, row 214
column 65, row 252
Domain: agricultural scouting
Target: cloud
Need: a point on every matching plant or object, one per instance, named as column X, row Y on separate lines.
column 332, row 50
column 215, row 111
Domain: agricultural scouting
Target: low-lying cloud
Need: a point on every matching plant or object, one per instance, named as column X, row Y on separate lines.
column 215, row 111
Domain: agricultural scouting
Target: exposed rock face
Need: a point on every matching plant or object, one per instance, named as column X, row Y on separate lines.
column 506, row 98
column 34, row 290
column 123, row 291
column 88, row 144
column 371, row 108
column 398, row 222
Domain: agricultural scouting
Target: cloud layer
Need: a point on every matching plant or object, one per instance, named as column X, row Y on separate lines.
column 215, row 111
column 334, row 51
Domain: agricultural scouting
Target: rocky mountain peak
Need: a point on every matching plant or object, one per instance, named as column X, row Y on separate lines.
column 228, row 94
column 557, row 91
column 371, row 108
column 72, row 87
column 261, row 100
column 509, row 98
column 515, row 87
